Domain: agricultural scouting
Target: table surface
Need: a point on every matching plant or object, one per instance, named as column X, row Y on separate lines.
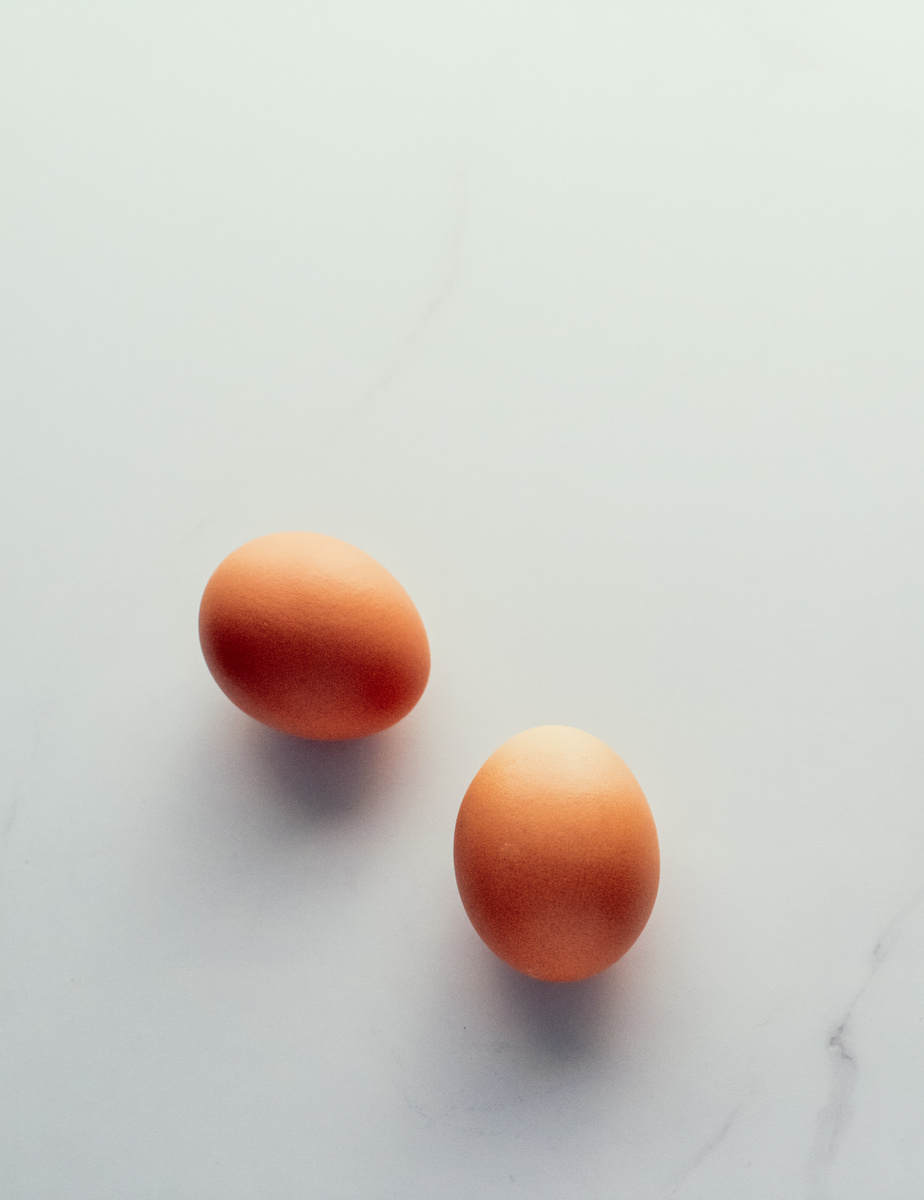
column 600, row 326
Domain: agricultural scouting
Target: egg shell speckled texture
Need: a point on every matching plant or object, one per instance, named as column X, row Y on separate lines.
column 556, row 854
column 313, row 637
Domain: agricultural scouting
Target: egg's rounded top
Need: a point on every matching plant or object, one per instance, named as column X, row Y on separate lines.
column 312, row 636
column 556, row 854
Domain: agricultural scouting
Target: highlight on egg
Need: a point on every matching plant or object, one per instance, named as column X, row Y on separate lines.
column 313, row 637
column 556, row 854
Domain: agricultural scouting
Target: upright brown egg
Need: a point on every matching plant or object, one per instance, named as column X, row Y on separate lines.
column 556, row 854
column 310, row 635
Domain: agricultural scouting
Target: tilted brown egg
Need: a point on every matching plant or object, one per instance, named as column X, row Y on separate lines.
column 310, row 635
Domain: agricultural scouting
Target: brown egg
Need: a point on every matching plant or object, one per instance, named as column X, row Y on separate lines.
column 556, row 854
column 312, row 636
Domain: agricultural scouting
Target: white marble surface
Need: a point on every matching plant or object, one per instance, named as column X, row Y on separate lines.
column 601, row 326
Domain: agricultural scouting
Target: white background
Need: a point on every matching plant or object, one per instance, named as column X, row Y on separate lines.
column 600, row 325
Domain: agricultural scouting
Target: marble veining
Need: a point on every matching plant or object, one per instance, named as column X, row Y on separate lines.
column 17, row 787
column 442, row 287
column 708, row 1148
column 836, row 1115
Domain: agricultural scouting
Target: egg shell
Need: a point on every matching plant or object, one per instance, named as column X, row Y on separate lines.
column 556, row 854
column 313, row 637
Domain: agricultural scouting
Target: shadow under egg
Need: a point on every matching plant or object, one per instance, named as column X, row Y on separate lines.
column 327, row 783
column 564, row 1021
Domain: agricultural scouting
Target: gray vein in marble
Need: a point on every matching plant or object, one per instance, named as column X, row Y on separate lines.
column 708, row 1148
column 17, row 789
column 442, row 289
column 836, row 1115
column 12, row 812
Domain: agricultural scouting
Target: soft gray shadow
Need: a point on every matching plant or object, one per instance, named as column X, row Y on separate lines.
column 327, row 783
column 272, row 824
column 564, row 1021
